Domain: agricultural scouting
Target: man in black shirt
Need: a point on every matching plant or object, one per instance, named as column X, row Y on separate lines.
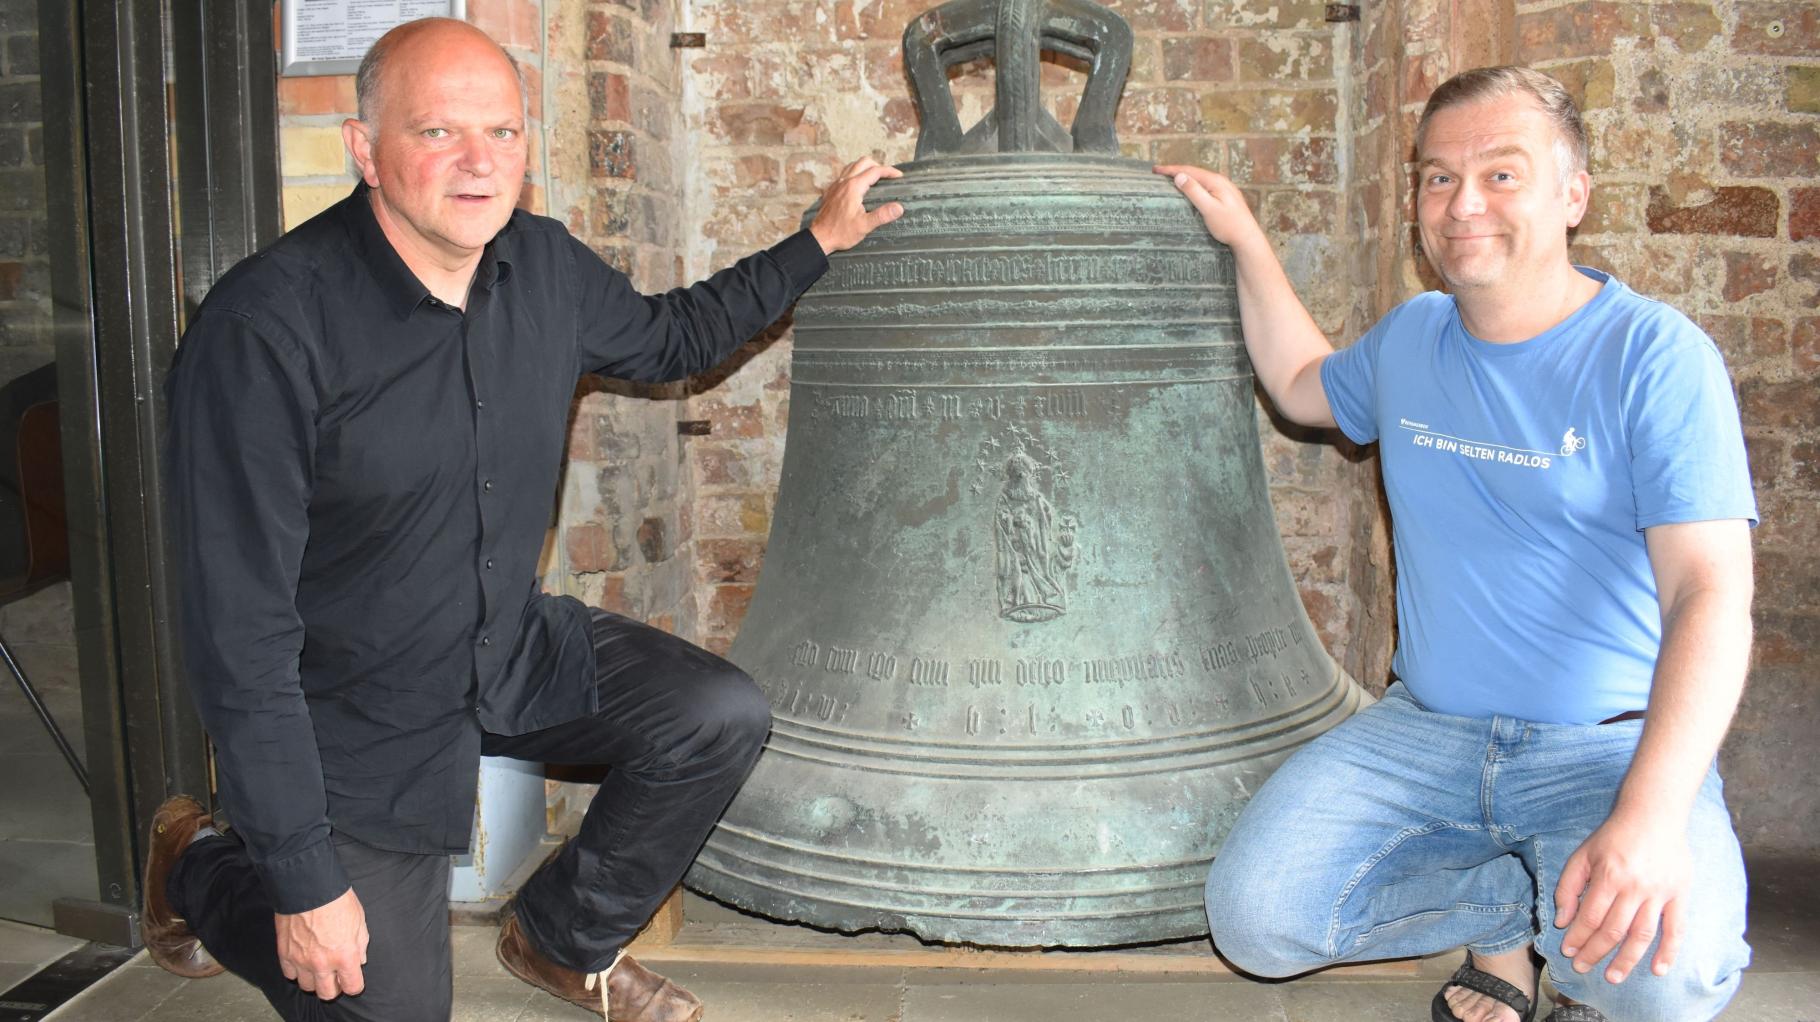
column 367, row 425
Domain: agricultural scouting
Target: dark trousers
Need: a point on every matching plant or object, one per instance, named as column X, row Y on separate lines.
column 679, row 728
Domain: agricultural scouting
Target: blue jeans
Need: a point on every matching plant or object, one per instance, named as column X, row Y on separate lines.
column 1404, row 832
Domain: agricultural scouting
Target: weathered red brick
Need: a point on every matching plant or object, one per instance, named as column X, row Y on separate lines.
column 652, row 540
column 324, row 94
column 613, row 597
column 756, row 123
column 1779, row 403
column 756, row 171
column 611, row 37
column 807, row 174
column 1158, row 111
column 10, row 275
column 591, row 548
column 1805, row 347
column 729, row 560
column 609, row 96
column 1758, row 149
column 722, row 465
column 727, row 606
column 731, row 421
column 1283, row 56
column 1589, row 82
column 1614, row 208
column 1690, row 26
column 874, row 19
column 1578, row 30
column 1652, row 269
column 1778, row 28
column 727, row 75
column 899, row 116
column 1278, row 160
column 1159, row 15
column 1747, row 340
column 1264, row 14
column 1803, row 214
column 1748, row 273
column 610, row 154
column 1805, row 268
column 1749, row 212
column 1194, row 152
column 1232, row 111
column 1197, row 59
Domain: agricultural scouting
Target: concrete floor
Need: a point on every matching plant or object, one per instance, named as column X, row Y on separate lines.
column 1783, row 985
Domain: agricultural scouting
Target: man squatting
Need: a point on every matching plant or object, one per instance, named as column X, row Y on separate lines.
column 367, row 424
column 1571, row 509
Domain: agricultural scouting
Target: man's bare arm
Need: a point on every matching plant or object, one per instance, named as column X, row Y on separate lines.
column 1285, row 345
column 1631, row 875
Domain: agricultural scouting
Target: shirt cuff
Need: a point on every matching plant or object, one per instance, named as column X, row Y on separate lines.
column 800, row 256
column 310, row 879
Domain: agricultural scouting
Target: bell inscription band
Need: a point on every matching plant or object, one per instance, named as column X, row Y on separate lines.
column 1025, row 619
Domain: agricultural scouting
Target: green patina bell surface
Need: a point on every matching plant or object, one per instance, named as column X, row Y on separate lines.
column 1025, row 619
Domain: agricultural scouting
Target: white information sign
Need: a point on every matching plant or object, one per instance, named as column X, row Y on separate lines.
column 328, row 37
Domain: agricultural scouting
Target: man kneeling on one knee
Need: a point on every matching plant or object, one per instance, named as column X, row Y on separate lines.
column 1571, row 509
column 367, row 425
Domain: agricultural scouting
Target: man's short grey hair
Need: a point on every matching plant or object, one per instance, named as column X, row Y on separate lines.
column 1496, row 82
column 369, row 79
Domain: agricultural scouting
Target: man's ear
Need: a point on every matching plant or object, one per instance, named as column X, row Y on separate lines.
column 1579, row 193
column 356, row 135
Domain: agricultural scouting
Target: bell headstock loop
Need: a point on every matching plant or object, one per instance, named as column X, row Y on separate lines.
column 1016, row 33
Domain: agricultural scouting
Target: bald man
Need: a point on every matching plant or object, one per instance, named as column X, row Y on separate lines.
column 367, row 427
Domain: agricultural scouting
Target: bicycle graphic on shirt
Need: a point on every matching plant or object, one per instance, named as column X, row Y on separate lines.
column 1572, row 443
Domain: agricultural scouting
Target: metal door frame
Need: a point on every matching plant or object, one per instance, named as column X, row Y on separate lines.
column 136, row 241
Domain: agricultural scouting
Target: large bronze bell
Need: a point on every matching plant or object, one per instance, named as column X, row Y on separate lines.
column 1025, row 617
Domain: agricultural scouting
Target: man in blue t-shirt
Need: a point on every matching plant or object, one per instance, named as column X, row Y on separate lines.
column 1571, row 509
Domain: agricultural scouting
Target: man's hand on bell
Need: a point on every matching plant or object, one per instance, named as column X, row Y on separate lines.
column 843, row 220
column 323, row 949
column 1221, row 205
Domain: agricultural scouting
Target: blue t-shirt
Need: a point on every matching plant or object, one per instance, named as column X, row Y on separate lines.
column 1520, row 478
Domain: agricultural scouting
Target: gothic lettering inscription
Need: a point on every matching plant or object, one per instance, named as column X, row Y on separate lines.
column 1247, row 649
column 921, row 405
column 1023, row 267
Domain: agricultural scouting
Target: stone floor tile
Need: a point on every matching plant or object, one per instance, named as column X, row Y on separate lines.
column 1102, row 1000
column 490, row 998
column 1357, row 1001
column 35, row 872
column 798, row 1001
column 130, row 994
column 1777, row 997
column 223, row 998
column 471, row 949
column 32, row 946
column 544, row 1007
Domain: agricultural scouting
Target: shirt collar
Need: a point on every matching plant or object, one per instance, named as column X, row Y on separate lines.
column 402, row 290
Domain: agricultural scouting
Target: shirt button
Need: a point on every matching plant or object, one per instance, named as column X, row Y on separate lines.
column 489, row 564
column 480, row 404
column 487, row 485
column 486, row 641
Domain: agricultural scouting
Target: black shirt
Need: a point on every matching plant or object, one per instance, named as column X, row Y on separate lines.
column 361, row 477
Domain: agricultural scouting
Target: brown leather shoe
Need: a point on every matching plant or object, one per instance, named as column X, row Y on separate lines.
column 633, row 992
column 166, row 935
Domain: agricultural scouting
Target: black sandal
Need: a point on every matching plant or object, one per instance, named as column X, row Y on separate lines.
column 1575, row 1013
column 1494, row 988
